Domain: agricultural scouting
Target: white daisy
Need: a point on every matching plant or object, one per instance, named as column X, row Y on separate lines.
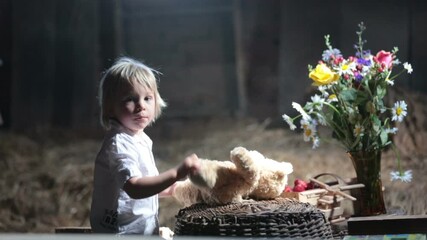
column 332, row 98
column 316, row 104
column 305, row 123
column 358, row 130
column 309, row 132
column 346, row 67
column 408, row 67
column 322, row 89
column 298, row 107
column 404, row 177
column 390, row 82
column 289, row 121
column 396, row 62
column 391, row 130
column 399, row 111
column 316, row 142
column 318, row 101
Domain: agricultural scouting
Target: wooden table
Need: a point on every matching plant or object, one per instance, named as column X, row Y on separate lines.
column 379, row 225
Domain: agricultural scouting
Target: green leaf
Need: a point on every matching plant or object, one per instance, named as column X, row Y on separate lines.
column 376, row 123
column 380, row 104
column 381, row 91
column 362, row 98
column 348, row 95
column 384, row 138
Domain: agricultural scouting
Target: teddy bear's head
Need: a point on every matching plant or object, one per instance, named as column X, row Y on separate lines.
column 273, row 175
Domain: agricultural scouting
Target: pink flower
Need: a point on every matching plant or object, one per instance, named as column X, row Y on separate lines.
column 338, row 60
column 352, row 59
column 385, row 59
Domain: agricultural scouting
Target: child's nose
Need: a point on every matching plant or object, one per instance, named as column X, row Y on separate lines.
column 139, row 106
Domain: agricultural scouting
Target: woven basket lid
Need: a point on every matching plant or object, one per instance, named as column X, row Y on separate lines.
column 273, row 218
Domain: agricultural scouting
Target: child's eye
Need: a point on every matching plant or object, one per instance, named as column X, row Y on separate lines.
column 130, row 99
column 148, row 98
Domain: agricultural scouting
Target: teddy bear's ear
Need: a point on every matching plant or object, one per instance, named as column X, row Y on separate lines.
column 237, row 152
column 280, row 175
column 287, row 167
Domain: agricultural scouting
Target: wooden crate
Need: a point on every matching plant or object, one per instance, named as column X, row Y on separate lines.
column 327, row 197
column 310, row 196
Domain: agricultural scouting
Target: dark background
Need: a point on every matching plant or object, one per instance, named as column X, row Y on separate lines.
column 219, row 58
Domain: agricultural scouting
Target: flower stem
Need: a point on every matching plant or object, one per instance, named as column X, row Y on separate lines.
column 399, row 166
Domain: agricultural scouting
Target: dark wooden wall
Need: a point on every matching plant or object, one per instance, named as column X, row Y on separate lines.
column 192, row 44
column 218, row 57
column 54, row 64
column 5, row 61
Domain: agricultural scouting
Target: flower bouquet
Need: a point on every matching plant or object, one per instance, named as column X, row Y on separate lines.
column 350, row 101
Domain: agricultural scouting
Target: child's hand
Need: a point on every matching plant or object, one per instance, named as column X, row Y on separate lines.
column 166, row 233
column 190, row 165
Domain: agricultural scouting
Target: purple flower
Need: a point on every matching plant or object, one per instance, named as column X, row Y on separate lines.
column 365, row 53
column 356, row 46
column 331, row 53
column 365, row 62
column 358, row 77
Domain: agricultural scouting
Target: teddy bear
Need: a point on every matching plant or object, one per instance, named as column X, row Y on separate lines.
column 249, row 174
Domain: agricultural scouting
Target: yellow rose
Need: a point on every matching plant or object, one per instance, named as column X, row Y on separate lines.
column 322, row 75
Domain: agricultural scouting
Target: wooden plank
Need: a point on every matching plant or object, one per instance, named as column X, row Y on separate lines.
column 330, row 189
column 5, row 61
column 73, row 230
column 387, row 225
column 307, row 198
column 334, row 213
column 241, row 59
column 33, row 55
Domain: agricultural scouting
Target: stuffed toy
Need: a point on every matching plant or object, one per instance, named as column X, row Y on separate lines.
column 248, row 175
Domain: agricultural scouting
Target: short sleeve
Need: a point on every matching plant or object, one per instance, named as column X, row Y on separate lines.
column 124, row 162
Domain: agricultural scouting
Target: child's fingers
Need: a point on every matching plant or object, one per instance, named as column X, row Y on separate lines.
column 194, row 170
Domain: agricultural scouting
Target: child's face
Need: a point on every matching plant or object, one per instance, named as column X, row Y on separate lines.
column 135, row 107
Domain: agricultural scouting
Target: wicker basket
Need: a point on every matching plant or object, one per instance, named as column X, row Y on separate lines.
column 273, row 218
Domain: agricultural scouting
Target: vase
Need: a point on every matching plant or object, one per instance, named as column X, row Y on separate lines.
column 367, row 165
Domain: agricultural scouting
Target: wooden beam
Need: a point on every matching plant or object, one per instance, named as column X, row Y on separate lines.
column 241, row 59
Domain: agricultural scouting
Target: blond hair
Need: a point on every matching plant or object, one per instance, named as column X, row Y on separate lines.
column 126, row 70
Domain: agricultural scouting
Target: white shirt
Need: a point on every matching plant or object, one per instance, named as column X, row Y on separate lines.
column 121, row 157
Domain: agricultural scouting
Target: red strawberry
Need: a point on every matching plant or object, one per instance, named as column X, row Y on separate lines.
column 300, row 182
column 311, row 185
column 288, row 189
column 299, row 188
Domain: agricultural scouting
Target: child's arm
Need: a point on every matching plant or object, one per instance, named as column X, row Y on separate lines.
column 143, row 187
column 168, row 191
